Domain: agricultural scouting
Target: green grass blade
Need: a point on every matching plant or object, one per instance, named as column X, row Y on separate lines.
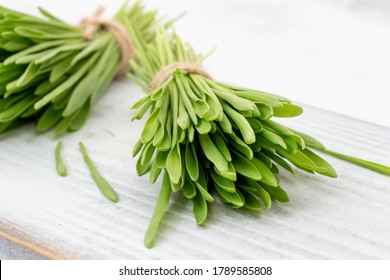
column 103, row 185
column 61, row 169
column 383, row 169
column 159, row 210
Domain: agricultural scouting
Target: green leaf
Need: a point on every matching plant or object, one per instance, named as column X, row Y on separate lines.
column 142, row 168
column 150, row 127
column 292, row 146
column 274, row 169
column 191, row 161
column 255, row 124
column 191, row 133
column 161, row 159
column 154, row 172
column 199, row 208
column 137, row 147
column 173, row 164
column 383, row 169
column 52, row 17
column 278, row 193
column 183, row 120
column 310, row 141
column 60, row 69
column 245, row 167
column 251, row 202
column 223, row 182
column 98, row 43
column 288, row 111
column 320, row 162
column 142, row 110
column 14, row 46
column 30, row 73
column 261, row 97
column 280, row 161
column 204, row 192
column 34, row 49
column 267, row 176
column 147, row 154
column 220, row 143
column 60, row 101
column 240, row 104
column 17, row 109
column 233, row 198
column 80, row 95
column 46, row 86
column 61, row 169
column 262, row 193
column 81, row 118
column 48, row 119
column 282, row 130
column 201, row 109
column 174, row 96
column 65, row 124
column 187, row 103
column 103, row 185
column 265, row 159
column 203, row 126
column 229, row 174
column 226, row 125
column 266, row 111
column 213, row 153
column 300, row 160
column 215, row 108
column 189, row 190
column 246, row 188
column 159, row 136
column 242, row 124
column 273, row 138
column 158, row 213
column 241, row 146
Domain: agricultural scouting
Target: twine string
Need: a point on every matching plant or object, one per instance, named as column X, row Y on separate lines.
column 164, row 74
column 92, row 24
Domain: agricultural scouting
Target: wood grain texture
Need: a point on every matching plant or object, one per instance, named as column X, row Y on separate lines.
column 344, row 218
column 20, row 236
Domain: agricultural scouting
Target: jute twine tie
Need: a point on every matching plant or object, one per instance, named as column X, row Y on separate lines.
column 164, row 74
column 93, row 23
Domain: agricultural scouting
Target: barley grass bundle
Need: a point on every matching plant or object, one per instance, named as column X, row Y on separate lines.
column 52, row 72
column 210, row 139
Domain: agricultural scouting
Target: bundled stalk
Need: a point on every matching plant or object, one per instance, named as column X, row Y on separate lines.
column 52, row 72
column 210, row 139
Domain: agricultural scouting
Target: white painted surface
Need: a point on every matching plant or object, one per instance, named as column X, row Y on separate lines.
column 311, row 51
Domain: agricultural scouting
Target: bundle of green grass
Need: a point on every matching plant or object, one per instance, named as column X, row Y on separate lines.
column 52, row 73
column 209, row 139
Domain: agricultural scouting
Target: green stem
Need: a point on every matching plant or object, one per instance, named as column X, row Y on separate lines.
column 361, row 162
column 61, row 169
column 103, row 185
column 159, row 210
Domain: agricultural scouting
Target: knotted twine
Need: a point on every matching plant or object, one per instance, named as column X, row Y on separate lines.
column 93, row 23
column 164, row 74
